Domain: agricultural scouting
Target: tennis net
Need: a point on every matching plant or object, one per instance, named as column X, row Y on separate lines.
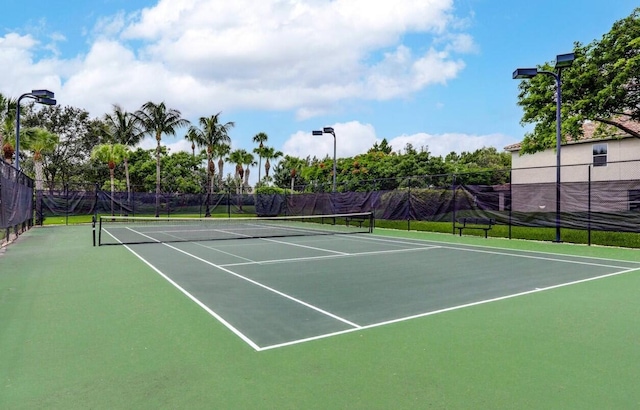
column 114, row 230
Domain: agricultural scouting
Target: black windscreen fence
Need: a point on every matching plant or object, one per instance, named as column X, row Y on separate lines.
column 16, row 201
column 590, row 200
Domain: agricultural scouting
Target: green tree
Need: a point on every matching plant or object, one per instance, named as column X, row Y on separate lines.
column 111, row 154
column 237, row 157
column 178, row 173
column 78, row 135
column 156, row 120
column 249, row 161
column 269, row 153
column 221, row 152
column 289, row 171
column 7, row 126
column 40, row 142
column 122, row 128
column 602, row 85
column 210, row 136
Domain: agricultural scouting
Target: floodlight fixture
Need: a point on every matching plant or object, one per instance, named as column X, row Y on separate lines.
column 42, row 93
column 330, row 130
column 522, row 73
column 562, row 61
column 565, row 60
column 46, row 101
column 45, row 97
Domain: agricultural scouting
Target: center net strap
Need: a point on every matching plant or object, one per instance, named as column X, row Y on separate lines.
column 115, row 230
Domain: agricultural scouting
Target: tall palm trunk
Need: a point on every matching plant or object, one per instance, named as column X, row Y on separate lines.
column 211, row 172
column 112, row 167
column 158, row 138
column 220, row 171
column 126, row 173
column 39, row 173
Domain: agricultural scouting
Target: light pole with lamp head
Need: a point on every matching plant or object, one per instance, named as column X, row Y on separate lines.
column 330, row 130
column 562, row 61
column 42, row 97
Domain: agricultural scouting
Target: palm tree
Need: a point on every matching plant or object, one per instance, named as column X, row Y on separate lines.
column 211, row 135
column 156, row 119
column 269, row 153
column 222, row 151
column 193, row 137
column 7, row 126
column 237, row 157
column 249, row 162
column 122, row 128
column 260, row 138
column 111, row 154
column 40, row 141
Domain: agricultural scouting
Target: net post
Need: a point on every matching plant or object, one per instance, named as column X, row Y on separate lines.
column 99, row 231
column 93, row 228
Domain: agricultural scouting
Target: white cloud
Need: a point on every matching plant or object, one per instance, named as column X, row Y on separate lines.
column 352, row 138
column 173, row 144
column 443, row 144
column 355, row 138
column 299, row 55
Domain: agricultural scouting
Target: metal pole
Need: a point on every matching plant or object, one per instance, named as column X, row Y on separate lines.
column 334, row 162
column 17, row 151
column 558, row 146
column 453, row 217
column 510, row 201
column 589, row 209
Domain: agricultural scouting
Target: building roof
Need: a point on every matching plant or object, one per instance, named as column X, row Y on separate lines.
column 589, row 133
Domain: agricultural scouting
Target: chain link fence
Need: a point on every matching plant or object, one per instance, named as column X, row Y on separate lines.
column 591, row 199
column 16, row 202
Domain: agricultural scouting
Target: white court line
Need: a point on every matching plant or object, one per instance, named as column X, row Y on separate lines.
column 344, row 255
column 453, row 246
column 223, row 252
column 449, row 309
column 220, row 318
column 277, row 292
column 507, row 252
column 197, row 301
column 373, row 325
column 305, row 246
column 193, row 298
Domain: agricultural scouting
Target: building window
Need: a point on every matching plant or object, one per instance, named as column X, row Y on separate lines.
column 634, row 199
column 599, row 155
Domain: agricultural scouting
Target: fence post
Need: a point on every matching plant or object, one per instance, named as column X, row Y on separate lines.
column 66, row 198
column 409, row 207
column 510, row 201
column 589, row 208
column 453, row 220
column 228, row 201
column 95, row 201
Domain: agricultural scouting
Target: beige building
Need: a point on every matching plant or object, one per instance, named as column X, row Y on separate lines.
column 612, row 164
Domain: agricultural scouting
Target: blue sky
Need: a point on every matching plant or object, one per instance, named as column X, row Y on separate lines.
column 434, row 73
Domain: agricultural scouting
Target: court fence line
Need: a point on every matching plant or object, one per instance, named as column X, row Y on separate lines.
column 593, row 199
column 16, row 202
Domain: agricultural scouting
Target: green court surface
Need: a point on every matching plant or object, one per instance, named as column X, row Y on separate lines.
column 385, row 320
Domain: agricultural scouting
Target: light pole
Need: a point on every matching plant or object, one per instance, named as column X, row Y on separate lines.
column 42, row 97
column 330, row 130
column 562, row 61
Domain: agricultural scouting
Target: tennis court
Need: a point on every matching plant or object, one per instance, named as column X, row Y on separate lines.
column 278, row 290
column 388, row 319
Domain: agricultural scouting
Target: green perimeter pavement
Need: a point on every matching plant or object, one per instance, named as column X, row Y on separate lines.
column 84, row 327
